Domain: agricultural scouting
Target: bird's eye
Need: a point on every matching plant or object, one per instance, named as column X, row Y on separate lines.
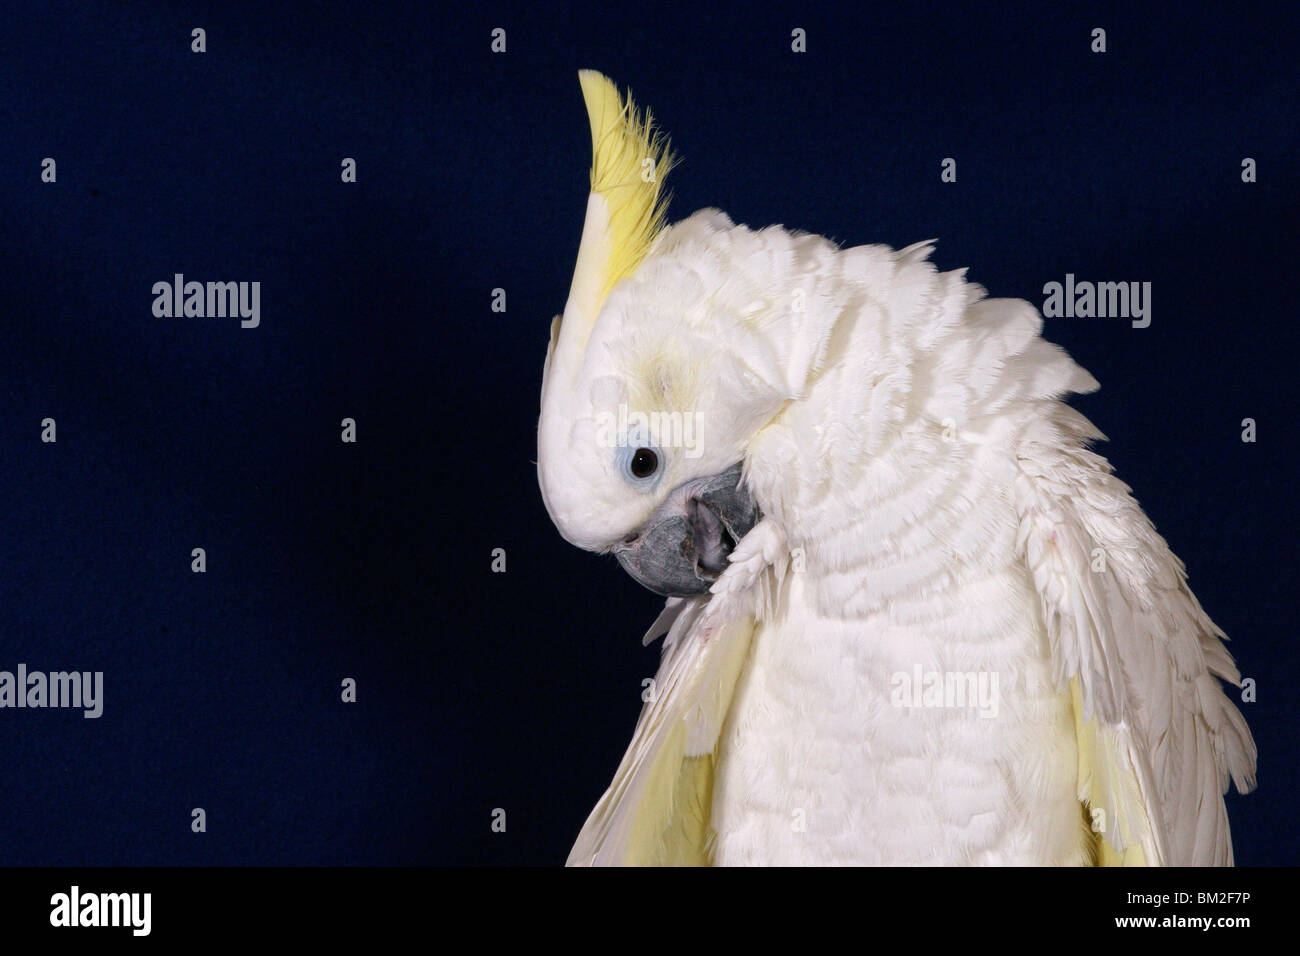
column 644, row 463
column 641, row 465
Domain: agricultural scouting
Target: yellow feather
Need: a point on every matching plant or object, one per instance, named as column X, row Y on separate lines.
column 658, row 809
column 1093, row 768
column 671, row 826
column 630, row 159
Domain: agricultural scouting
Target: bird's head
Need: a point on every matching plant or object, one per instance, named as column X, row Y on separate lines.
column 659, row 373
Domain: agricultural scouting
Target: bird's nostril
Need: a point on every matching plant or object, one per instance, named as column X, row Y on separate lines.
column 630, row 538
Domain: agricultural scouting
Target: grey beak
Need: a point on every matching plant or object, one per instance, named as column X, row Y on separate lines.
column 685, row 544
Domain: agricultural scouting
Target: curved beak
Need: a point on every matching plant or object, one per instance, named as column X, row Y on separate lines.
column 686, row 543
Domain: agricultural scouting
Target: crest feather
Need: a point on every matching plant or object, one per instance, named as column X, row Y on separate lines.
column 623, row 138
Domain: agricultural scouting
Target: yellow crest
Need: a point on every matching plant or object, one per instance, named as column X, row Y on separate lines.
column 630, row 159
column 625, row 213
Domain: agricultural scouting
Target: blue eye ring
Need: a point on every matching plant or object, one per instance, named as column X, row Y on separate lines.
column 640, row 464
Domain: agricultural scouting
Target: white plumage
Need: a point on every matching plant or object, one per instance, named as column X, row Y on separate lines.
column 929, row 506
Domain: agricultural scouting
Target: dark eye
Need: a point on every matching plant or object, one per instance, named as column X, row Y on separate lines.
column 644, row 463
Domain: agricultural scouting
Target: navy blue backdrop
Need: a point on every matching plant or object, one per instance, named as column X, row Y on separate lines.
column 372, row 560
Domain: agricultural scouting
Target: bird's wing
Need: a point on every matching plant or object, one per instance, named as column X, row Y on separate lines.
column 656, row 811
column 1158, row 738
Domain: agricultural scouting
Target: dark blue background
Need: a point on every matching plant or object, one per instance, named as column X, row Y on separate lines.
column 325, row 560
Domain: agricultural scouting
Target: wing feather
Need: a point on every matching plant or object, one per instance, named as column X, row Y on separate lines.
column 656, row 811
column 1158, row 738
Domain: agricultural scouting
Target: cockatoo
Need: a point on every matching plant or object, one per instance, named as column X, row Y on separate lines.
column 856, row 481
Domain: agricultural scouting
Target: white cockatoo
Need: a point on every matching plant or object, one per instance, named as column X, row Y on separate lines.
column 857, row 482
